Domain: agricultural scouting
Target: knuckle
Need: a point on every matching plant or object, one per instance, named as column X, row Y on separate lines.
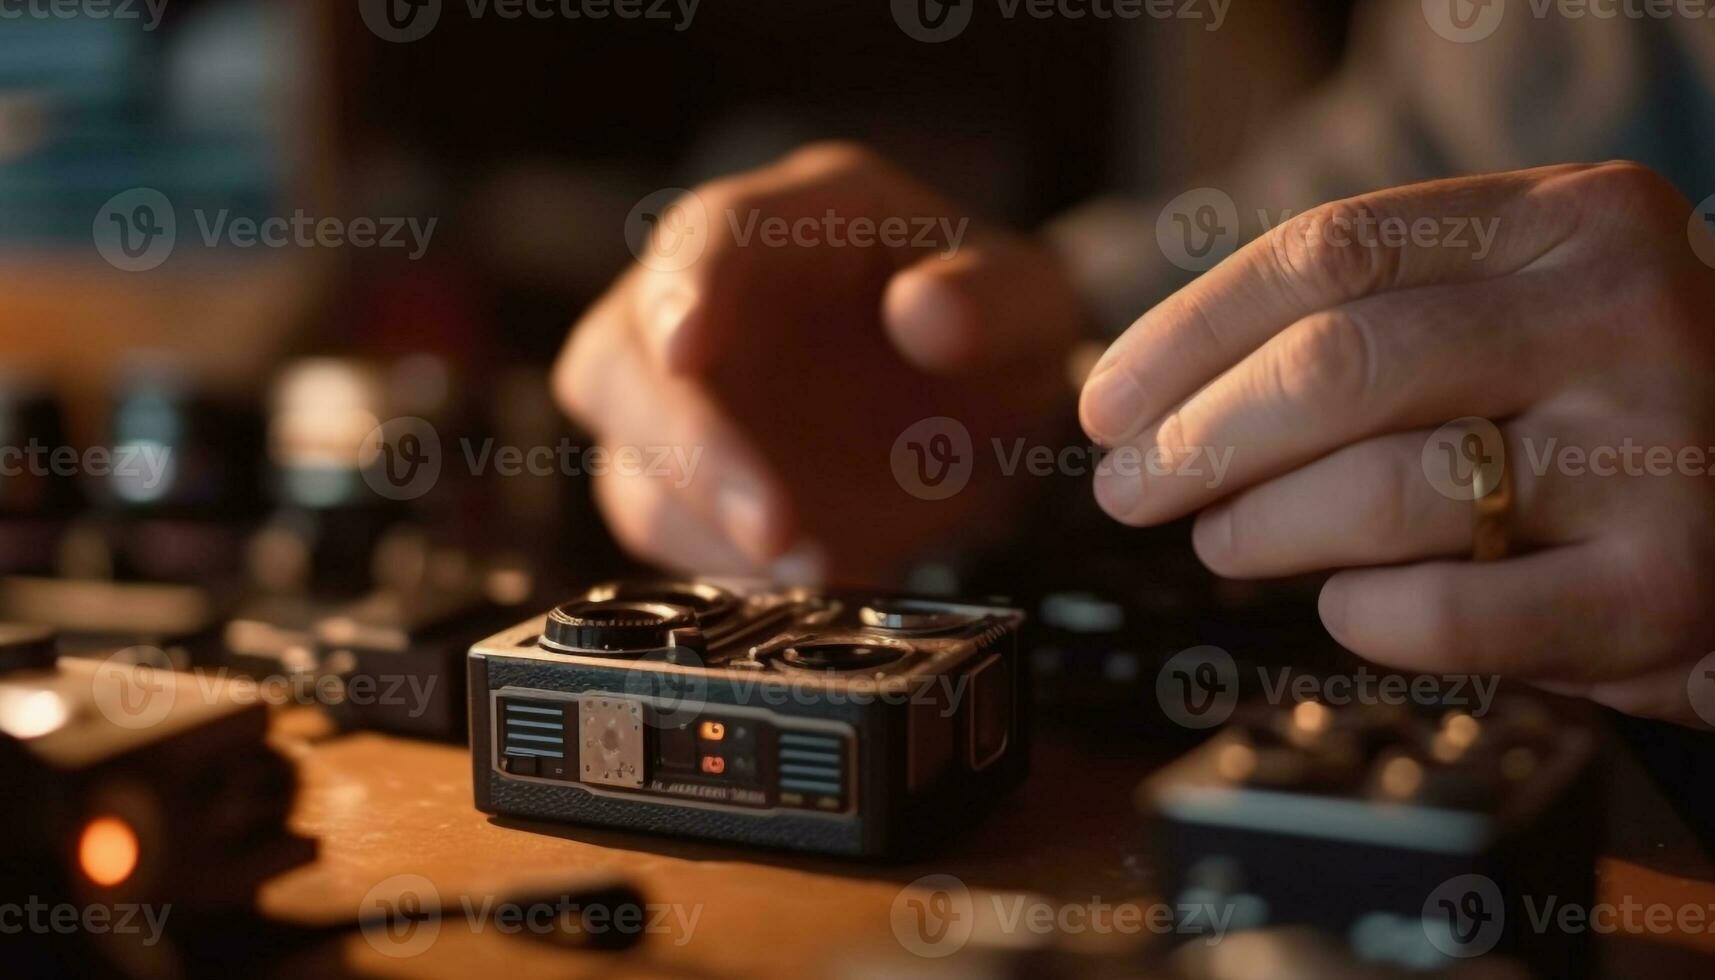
column 1662, row 585
column 1459, row 648
column 1327, row 365
column 1220, row 543
column 835, row 156
column 1388, row 483
column 1334, row 248
column 1634, row 188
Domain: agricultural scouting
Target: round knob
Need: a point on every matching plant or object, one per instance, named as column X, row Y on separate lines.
column 619, row 627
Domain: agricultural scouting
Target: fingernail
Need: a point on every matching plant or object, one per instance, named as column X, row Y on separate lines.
column 1331, row 606
column 1119, row 492
column 1212, row 535
column 1112, row 405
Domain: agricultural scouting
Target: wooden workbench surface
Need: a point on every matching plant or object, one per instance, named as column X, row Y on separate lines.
column 390, row 813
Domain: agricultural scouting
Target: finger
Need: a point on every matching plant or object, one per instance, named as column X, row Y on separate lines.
column 1477, row 228
column 1381, row 501
column 1566, row 614
column 834, row 218
column 1379, row 364
column 671, row 428
column 651, row 523
column 991, row 302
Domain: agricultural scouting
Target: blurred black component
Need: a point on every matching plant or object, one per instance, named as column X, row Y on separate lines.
column 176, row 623
column 181, row 488
column 24, row 647
column 36, row 492
column 328, row 520
column 154, row 801
column 393, row 659
column 396, row 658
column 1414, row 834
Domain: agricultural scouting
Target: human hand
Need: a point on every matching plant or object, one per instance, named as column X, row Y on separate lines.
column 788, row 324
column 1327, row 358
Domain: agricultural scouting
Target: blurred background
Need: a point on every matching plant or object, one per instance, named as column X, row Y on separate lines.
column 525, row 142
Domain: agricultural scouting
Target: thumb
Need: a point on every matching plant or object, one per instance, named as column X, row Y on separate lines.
column 998, row 301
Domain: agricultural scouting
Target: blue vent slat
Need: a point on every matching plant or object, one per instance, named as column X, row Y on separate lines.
column 551, row 726
column 806, row 786
column 810, row 741
column 550, row 739
column 535, row 709
column 823, row 772
column 805, row 755
column 514, row 750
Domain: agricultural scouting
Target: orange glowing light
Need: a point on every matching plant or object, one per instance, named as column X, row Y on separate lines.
column 107, row 852
column 712, row 731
